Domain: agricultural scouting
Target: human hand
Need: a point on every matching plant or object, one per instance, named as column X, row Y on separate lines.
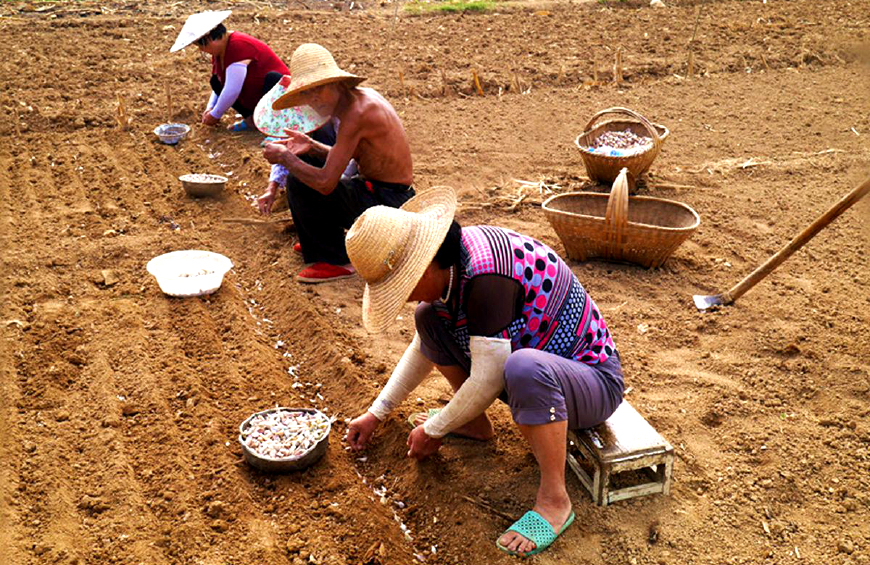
column 265, row 201
column 274, row 152
column 208, row 119
column 297, row 142
column 421, row 445
column 360, row 430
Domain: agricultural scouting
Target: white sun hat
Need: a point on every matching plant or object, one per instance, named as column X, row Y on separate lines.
column 198, row 25
column 275, row 123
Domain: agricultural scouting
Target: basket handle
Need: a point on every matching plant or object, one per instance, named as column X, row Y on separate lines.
column 616, row 214
column 657, row 140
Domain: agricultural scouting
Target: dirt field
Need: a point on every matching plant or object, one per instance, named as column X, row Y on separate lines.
column 119, row 406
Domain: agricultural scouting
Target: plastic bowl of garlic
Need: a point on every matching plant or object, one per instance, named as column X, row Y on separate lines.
column 280, row 440
column 191, row 272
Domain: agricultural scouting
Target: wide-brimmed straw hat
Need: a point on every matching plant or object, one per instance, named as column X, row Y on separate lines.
column 198, row 25
column 311, row 66
column 391, row 248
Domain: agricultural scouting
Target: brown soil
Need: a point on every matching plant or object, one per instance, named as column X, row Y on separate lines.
column 119, row 406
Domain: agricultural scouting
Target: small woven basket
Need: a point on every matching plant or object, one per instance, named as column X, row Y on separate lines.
column 605, row 168
column 639, row 229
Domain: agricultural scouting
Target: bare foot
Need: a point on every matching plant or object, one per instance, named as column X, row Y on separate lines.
column 555, row 511
column 480, row 428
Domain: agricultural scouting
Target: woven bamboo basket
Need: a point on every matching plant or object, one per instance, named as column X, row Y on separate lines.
column 639, row 229
column 605, row 168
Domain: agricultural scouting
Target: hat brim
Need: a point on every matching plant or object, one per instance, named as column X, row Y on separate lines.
column 275, row 123
column 188, row 35
column 383, row 300
column 294, row 95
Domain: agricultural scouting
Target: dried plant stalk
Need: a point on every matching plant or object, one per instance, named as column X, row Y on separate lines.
column 123, row 119
column 617, row 67
column 168, row 103
column 476, row 82
column 690, row 66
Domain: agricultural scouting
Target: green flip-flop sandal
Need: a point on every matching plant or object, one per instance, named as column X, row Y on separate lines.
column 534, row 527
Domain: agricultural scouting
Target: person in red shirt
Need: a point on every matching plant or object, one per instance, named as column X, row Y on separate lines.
column 243, row 68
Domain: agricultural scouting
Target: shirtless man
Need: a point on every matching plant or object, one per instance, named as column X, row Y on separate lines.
column 326, row 193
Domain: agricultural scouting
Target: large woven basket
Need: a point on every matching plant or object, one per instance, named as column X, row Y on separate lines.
column 639, row 229
column 605, row 168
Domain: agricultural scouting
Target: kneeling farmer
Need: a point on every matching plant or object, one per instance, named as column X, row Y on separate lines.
column 500, row 316
column 243, row 68
column 323, row 200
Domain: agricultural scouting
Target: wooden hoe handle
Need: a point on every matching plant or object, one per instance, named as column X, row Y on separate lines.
column 799, row 241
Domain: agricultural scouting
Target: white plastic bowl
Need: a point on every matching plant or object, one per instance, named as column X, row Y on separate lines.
column 170, row 134
column 189, row 273
column 203, row 185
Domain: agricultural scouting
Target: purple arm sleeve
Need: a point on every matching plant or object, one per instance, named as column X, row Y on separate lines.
column 279, row 175
column 211, row 101
column 236, row 74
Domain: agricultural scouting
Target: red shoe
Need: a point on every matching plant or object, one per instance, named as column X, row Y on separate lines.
column 297, row 247
column 323, row 272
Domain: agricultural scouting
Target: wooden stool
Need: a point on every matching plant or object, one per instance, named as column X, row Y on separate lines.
column 624, row 442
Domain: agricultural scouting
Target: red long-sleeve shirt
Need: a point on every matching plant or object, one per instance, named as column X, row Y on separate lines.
column 241, row 47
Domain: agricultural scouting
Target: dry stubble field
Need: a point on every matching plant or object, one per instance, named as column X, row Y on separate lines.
column 118, row 406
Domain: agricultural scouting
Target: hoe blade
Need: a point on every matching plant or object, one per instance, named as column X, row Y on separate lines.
column 707, row 302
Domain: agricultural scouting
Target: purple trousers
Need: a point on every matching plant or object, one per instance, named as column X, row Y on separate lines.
column 540, row 387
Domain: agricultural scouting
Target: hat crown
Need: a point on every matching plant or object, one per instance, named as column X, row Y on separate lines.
column 310, row 66
column 377, row 242
column 311, row 61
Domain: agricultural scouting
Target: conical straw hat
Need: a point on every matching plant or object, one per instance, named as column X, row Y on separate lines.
column 391, row 248
column 310, row 66
column 198, row 25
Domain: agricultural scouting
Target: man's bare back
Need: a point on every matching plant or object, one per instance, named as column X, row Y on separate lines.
column 382, row 152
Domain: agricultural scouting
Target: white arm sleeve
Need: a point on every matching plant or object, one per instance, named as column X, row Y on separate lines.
column 236, row 74
column 412, row 368
column 484, row 384
column 211, row 101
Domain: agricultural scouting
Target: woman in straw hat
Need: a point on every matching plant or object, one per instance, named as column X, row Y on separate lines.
column 243, row 68
column 500, row 316
column 324, row 196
